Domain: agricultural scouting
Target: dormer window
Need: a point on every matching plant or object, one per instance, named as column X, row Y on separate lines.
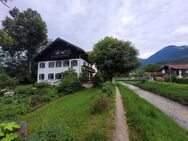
column 51, row 64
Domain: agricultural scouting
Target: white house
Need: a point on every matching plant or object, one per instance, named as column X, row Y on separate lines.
column 58, row 57
column 181, row 70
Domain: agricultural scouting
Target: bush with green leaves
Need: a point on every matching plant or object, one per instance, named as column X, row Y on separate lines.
column 171, row 78
column 70, row 82
column 141, row 73
column 6, row 81
column 100, row 105
column 8, row 131
column 106, row 91
column 97, row 80
column 84, row 77
column 41, row 85
column 36, row 100
column 107, row 88
column 53, row 133
column 24, row 90
column 182, row 80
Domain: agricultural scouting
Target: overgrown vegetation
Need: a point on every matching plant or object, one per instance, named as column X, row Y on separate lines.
column 74, row 111
column 147, row 123
column 176, row 92
column 6, row 81
column 70, row 82
column 182, row 80
column 8, row 131
column 53, row 133
column 24, row 99
column 97, row 80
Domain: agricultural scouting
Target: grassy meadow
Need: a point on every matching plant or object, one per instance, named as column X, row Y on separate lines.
column 174, row 91
column 74, row 111
column 147, row 123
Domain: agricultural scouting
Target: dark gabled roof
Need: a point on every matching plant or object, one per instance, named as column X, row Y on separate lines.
column 62, row 40
column 58, row 40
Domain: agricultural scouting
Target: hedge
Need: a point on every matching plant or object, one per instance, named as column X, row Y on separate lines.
column 182, row 80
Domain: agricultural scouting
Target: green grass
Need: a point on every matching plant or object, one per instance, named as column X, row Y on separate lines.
column 147, row 123
column 75, row 111
column 176, row 92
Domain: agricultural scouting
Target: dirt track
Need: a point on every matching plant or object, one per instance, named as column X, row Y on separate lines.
column 176, row 111
column 121, row 132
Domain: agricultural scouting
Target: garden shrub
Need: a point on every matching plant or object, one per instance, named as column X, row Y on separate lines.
column 24, row 90
column 53, row 134
column 95, row 135
column 84, row 77
column 97, row 80
column 100, row 105
column 6, row 81
column 182, row 80
column 107, row 91
column 41, row 85
column 36, row 100
column 70, row 83
column 171, row 77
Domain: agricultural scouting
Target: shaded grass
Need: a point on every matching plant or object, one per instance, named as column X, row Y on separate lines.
column 147, row 123
column 75, row 111
column 176, row 92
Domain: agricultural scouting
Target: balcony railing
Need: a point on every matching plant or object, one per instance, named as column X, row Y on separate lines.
column 88, row 69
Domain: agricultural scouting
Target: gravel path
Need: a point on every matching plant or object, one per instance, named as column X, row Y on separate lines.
column 121, row 132
column 173, row 109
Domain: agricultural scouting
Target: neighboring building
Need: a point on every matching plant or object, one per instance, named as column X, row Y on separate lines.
column 58, row 57
column 181, row 70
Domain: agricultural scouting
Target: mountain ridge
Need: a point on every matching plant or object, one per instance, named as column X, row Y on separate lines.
column 168, row 54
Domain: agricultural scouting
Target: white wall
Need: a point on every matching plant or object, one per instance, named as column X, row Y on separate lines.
column 55, row 69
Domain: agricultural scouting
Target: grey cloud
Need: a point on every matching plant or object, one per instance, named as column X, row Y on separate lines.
column 149, row 24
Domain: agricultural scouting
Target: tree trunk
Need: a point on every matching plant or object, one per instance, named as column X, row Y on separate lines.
column 30, row 71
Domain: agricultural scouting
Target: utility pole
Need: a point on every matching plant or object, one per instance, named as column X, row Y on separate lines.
column 170, row 75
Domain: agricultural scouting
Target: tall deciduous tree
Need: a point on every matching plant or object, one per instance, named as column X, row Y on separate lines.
column 152, row 68
column 4, row 2
column 114, row 57
column 26, row 32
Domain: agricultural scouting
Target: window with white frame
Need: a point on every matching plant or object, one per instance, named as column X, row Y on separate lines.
column 50, row 76
column 58, row 75
column 66, row 63
column 58, row 63
column 51, row 64
column 42, row 65
column 74, row 63
column 41, row 76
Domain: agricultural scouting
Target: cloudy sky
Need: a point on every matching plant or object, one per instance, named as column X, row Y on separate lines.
column 148, row 24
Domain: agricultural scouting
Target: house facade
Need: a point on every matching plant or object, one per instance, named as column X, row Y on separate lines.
column 181, row 70
column 58, row 57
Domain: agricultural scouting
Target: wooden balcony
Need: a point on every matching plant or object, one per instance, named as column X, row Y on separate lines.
column 88, row 69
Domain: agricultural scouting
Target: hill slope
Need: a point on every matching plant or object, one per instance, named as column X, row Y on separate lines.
column 169, row 54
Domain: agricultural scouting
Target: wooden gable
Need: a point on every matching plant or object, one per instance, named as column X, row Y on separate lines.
column 60, row 50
